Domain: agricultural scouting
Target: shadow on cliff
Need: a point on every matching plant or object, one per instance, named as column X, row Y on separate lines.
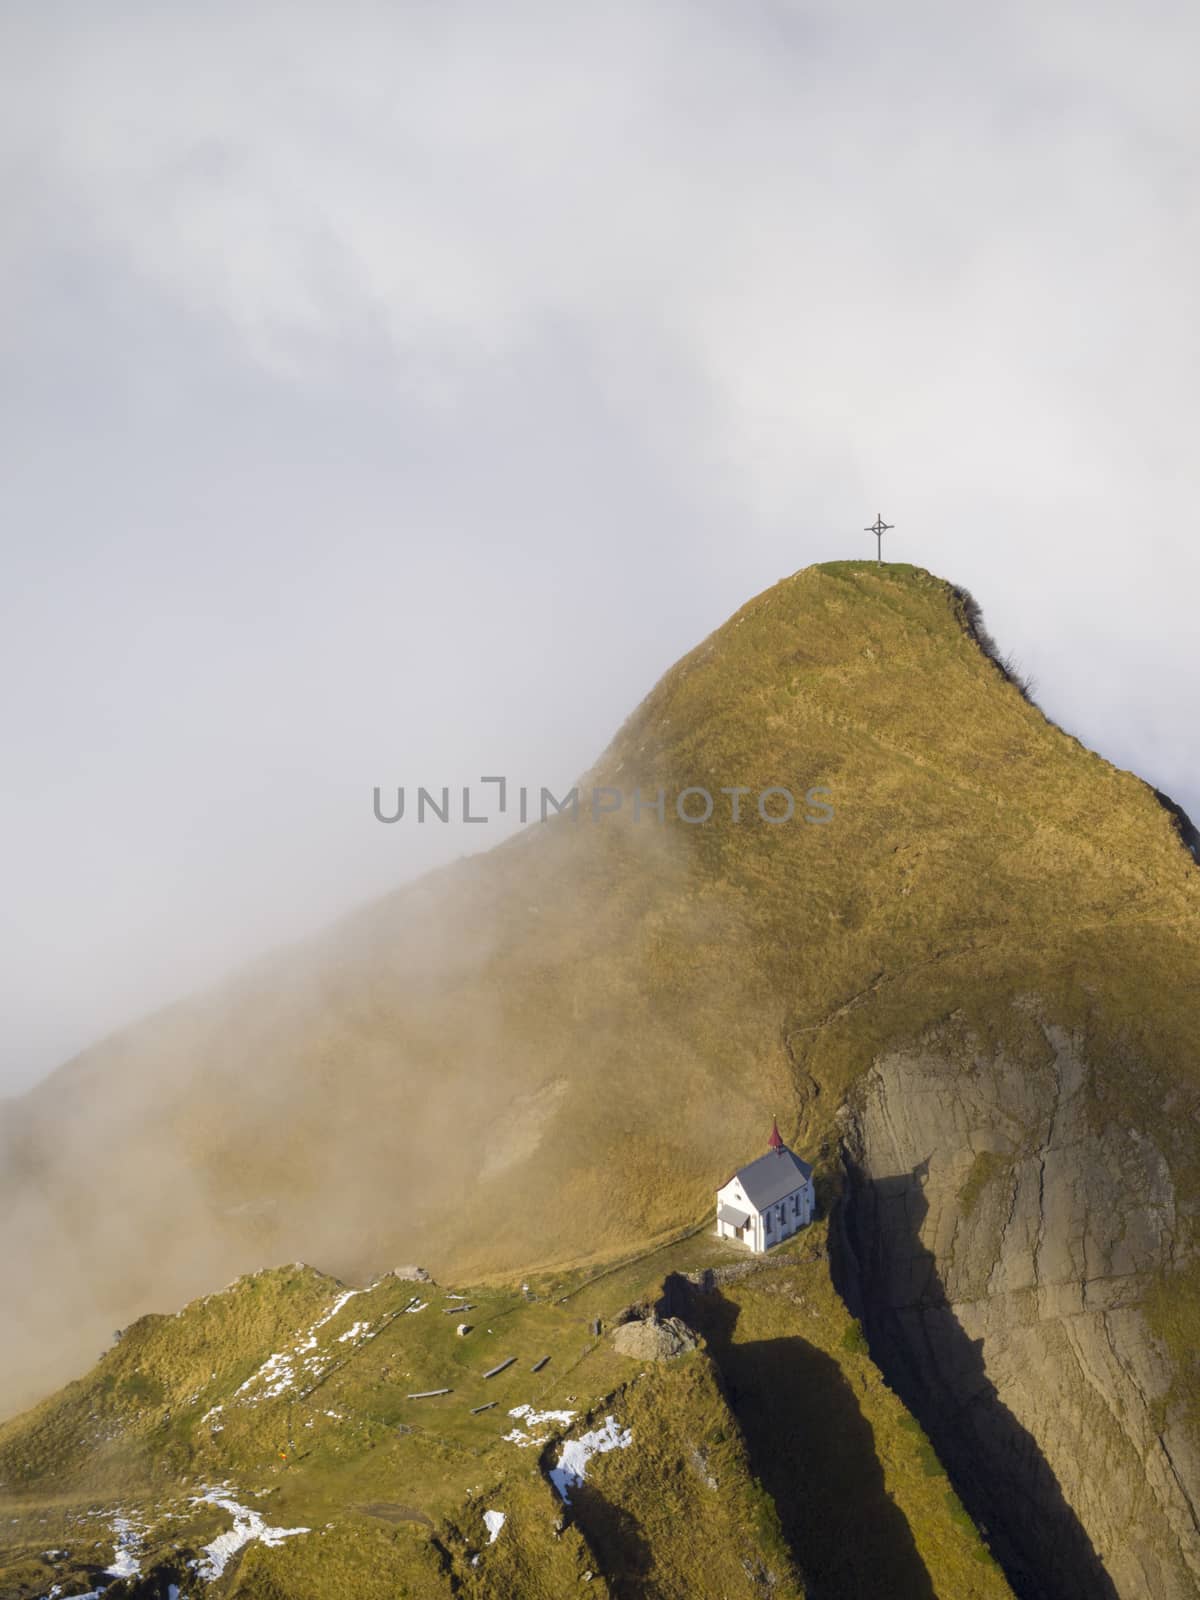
column 620, row 1547
column 889, row 1279
column 813, row 1451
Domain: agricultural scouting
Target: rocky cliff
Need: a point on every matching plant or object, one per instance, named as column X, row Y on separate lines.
column 1003, row 1231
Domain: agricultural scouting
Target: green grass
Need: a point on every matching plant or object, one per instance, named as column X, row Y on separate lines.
column 1173, row 1313
column 686, row 1470
column 834, row 1446
column 926, row 1454
column 854, row 1340
column 394, row 1489
column 986, row 1165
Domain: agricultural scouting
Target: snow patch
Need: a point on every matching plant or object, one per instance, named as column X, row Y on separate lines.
column 353, row 1333
column 335, row 1308
column 277, row 1372
column 493, row 1521
column 534, row 1419
column 247, row 1525
column 576, row 1453
column 126, row 1539
column 286, row 1368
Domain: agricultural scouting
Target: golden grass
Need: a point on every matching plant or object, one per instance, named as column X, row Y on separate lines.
column 394, row 1490
column 674, row 986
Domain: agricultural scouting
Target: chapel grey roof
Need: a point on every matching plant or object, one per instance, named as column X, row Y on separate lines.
column 772, row 1176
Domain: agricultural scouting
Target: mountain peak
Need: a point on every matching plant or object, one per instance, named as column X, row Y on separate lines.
column 903, row 859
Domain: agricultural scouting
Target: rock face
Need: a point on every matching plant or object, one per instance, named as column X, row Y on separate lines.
column 652, row 1340
column 998, row 1239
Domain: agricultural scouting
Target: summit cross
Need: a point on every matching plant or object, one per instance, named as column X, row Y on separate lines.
column 879, row 527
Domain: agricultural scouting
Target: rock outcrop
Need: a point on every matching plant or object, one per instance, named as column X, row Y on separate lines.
column 999, row 1238
column 654, row 1340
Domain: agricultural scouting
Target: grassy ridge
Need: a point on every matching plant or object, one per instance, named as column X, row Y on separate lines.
column 862, row 1497
column 554, row 1046
column 393, row 1489
column 548, row 1056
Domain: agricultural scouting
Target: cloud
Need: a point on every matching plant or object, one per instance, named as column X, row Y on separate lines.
column 361, row 366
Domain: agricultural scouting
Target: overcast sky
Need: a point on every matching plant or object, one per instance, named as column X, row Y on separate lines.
column 390, row 393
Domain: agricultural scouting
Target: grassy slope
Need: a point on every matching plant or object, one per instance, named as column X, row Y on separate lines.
column 394, row 1489
column 548, row 1054
column 858, row 1487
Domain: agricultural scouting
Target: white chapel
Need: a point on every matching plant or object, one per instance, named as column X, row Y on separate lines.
column 768, row 1200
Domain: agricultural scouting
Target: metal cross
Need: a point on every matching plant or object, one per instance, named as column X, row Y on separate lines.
column 879, row 527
